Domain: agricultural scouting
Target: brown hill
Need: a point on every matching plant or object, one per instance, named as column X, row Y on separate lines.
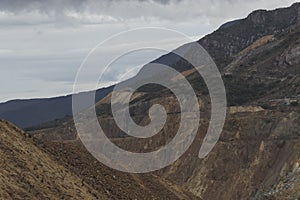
column 114, row 184
column 29, row 173
column 68, row 172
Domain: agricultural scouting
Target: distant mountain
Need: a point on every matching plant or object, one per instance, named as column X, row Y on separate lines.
column 32, row 112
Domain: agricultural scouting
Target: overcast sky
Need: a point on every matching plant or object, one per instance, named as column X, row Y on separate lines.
column 43, row 42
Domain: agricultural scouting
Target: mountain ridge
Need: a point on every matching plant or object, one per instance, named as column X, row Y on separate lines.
column 222, row 44
column 262, row 127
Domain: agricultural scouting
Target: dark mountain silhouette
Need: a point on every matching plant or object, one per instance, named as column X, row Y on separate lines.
column 32, row 112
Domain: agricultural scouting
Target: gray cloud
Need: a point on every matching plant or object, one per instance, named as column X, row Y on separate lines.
column 78, row 12
column 116, row 11
column 61, row 7
column 43, row 42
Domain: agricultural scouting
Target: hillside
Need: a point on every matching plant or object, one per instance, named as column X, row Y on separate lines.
column 249, row 159
column 232, row 37
column 29, row 173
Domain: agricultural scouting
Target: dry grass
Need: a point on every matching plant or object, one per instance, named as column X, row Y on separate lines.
column 29, row 173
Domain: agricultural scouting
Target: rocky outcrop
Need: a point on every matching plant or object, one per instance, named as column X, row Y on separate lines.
column 250, row 157
column 229, row 40
column 288, row 186
column 292, row 56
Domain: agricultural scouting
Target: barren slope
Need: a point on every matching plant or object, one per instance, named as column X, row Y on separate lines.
column 28, row 173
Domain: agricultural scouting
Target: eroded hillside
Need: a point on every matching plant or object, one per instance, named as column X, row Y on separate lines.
column 29, row 173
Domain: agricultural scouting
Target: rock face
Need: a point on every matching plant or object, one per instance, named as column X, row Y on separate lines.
column 288, row 186
column 250, row 158
column 292, row 56
column 230, row 39
column 29, row 173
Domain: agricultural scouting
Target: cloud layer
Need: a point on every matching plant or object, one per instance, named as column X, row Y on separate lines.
column 43, row 42
column 127, row 11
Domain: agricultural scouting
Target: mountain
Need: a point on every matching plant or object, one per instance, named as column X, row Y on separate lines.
column 257, row 156
column 32, row 112
column 231, row 38
column 258, row 57
column 224, row 45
